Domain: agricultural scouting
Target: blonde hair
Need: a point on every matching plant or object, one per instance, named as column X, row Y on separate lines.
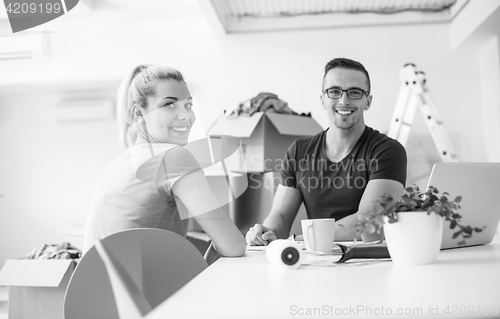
column 134, row 91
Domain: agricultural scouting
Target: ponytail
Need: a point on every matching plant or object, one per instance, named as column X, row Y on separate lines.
column 125, row 111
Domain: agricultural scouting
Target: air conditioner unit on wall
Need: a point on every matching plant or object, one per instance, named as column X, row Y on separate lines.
column 27, row 46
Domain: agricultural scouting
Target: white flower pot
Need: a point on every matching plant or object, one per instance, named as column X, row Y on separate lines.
column 415, row 238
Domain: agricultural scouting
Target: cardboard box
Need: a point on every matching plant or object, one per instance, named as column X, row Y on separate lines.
column 36, row 287
column 265, row 137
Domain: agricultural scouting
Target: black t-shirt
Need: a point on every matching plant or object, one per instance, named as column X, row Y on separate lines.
column 334, row 190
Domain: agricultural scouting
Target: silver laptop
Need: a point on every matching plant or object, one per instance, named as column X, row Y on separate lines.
column 479, row 186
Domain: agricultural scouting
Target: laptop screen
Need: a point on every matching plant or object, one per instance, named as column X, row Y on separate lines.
column 479, row 186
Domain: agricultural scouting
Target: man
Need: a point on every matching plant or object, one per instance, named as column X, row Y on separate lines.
column 341, row 171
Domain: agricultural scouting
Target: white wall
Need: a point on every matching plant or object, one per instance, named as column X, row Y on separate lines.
column 490, row 77
column 48, row 171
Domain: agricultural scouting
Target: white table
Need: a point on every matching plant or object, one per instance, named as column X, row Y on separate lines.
column 463, row 283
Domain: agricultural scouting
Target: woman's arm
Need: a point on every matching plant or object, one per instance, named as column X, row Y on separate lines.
column 197, row 196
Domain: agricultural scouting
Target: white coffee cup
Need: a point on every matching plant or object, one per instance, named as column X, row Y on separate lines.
column 318, row 234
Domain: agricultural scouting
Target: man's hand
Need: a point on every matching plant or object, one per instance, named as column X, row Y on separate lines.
column 260, row 235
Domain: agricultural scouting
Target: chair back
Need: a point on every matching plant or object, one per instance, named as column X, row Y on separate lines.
column 159, row 263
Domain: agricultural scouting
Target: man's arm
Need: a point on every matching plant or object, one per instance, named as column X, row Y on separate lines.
column 390, row 161
column 286, row 204
column 344, row 229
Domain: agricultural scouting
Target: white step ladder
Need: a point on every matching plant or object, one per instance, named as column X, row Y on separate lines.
column 414, row 94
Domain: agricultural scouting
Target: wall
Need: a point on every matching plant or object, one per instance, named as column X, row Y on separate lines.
column 490, row 77
column 49, row 170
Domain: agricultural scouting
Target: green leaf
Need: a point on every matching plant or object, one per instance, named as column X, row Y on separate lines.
column 409, row 189
column 458, row 199
column 456, row 216
column 468, row 230
column 392, row 219
column 456, row 234
column 443, row 199
column 433, row 209
column 406, row 209
column 453, row 224
column 478, row 230
column 427, row 205
column 412, row 203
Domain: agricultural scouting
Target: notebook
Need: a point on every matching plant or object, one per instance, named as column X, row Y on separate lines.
column 479, row 186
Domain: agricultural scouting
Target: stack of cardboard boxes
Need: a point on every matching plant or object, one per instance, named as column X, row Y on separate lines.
column 265, row 138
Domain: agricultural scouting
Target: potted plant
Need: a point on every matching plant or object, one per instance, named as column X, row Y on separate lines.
column 413, row 226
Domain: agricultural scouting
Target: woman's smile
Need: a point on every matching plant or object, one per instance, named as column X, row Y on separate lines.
column 180, row 129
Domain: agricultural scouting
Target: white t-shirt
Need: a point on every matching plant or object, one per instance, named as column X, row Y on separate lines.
column 135, row 191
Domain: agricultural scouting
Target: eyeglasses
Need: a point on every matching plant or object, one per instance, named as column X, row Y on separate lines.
column 353, row 93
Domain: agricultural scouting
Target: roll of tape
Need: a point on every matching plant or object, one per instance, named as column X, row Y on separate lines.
column 284, row 253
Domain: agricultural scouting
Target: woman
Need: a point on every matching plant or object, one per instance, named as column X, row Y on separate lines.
column 157, row 183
